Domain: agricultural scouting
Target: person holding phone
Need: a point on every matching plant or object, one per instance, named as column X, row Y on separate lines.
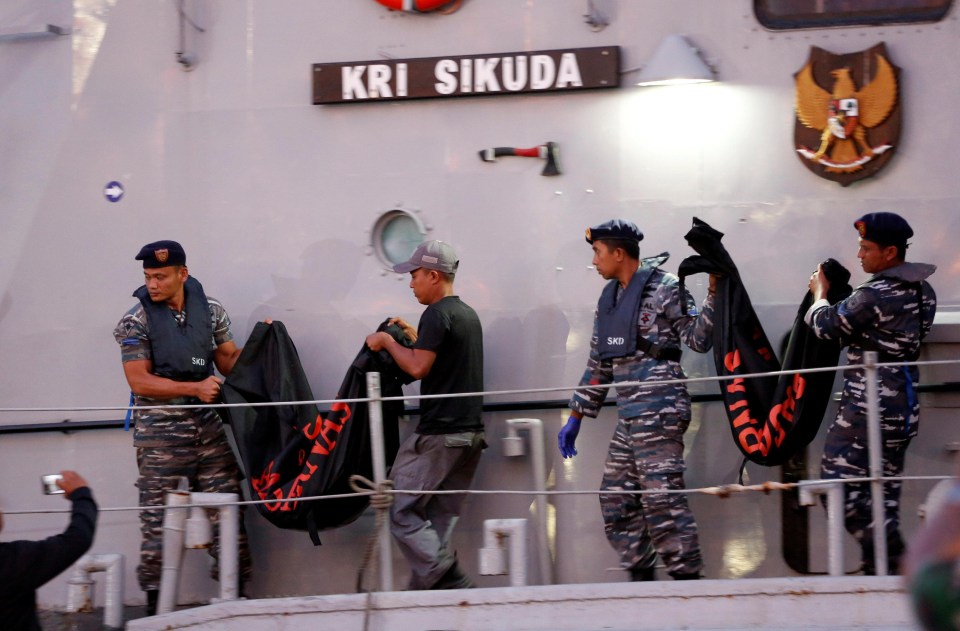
column 26, row 565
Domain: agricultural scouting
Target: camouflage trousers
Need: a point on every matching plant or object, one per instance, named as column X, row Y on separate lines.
column 210, row 467
column 845, row 455
column 647, row 453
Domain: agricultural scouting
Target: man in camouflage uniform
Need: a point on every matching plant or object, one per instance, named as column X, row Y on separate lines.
column 637, row 331
column 170, row 341
column 890, row 313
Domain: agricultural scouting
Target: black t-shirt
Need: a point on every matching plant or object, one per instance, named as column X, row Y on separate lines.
column 451, row 329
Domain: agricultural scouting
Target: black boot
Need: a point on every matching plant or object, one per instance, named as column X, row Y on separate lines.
column 152, row 595
column 867, row 564
column 643, row 574
column 453, row 578
column 681, row 576
column 895, row 548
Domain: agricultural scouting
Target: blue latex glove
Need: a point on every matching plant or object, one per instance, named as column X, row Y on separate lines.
column 567, row 438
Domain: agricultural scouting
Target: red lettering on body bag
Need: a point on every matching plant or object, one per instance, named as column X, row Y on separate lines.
column 319, row 427
column 786, row 409
column 731, row 360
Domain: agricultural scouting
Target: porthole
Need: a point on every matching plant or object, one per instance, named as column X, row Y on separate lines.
column 396, row 234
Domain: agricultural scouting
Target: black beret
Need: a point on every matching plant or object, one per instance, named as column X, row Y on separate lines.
column 162, row 254
column 884, row 228
column 614, row 229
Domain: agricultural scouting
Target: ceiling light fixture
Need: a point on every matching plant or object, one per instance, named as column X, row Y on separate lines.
column 676, row 62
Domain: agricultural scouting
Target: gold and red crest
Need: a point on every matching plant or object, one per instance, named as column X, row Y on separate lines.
column 162, row 255
column 847, row 113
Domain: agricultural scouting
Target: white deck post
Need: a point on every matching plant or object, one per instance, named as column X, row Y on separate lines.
column 378, row 452
column 875, row 449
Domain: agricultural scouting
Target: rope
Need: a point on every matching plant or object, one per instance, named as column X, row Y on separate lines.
column 488, row 393
column 721, row 491
column 381, row 500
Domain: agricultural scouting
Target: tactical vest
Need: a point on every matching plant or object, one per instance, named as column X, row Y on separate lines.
column 617, row 318
column 182, row 352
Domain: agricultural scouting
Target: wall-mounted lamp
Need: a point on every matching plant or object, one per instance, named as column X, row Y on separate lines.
column 676, row 62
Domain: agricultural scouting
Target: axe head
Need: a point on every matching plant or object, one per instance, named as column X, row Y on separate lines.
column 551, row 152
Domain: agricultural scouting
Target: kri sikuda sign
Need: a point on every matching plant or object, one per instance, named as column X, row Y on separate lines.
column 467, row 75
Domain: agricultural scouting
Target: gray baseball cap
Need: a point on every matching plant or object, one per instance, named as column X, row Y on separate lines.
column 430, row 255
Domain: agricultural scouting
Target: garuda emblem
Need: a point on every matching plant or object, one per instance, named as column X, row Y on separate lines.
column 848, row 113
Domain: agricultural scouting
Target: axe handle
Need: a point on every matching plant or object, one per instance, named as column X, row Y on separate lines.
column 533, row 152
column 489, row 155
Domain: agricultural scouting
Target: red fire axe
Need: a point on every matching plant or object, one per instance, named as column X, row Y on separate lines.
column 550, row 152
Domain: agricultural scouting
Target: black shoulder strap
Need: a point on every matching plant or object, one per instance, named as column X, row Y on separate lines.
column 312, row 529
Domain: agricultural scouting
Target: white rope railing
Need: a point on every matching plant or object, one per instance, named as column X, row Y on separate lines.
column 485, row 393
column 722, row 491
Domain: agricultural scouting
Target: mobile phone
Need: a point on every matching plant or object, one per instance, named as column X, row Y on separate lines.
column 50, row 484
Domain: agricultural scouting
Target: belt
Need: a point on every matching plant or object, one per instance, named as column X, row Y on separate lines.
column 658, row 352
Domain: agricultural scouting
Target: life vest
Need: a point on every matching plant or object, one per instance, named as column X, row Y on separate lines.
column 182, row 352
column 617, row 319
column 415, row 6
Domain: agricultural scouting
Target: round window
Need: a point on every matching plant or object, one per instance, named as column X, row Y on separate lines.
column 396, row 234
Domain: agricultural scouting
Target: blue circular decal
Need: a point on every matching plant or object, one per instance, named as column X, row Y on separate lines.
column 113, row 191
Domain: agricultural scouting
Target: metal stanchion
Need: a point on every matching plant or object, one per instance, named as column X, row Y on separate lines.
column 834, row 492
column 378, row 452
column 875, row 447
column 535, row 426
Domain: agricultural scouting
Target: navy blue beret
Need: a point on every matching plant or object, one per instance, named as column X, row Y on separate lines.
column 884, row 228
column 162, row 254
column 614, row 229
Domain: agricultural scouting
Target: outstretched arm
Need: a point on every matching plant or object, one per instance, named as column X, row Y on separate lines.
column 695, row 329
column 36, row 562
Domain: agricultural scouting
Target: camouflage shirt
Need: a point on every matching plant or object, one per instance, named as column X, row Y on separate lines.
column 890, row 313
column 163, row 427
column 662, row 322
